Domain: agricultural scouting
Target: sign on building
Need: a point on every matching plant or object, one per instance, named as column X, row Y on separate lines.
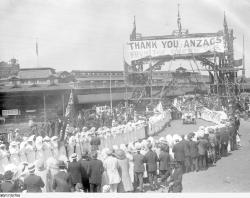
column 10, row 112
column 179, row 46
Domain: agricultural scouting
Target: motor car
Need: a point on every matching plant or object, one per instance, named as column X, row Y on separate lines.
column 189, row 118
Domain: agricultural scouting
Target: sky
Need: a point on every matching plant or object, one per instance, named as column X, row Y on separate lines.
column 90, row 34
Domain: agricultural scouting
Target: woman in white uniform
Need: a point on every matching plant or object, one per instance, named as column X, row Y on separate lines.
column 30, row 150
column 3, row 158
column 47, row 151
column 22, row 153
column 14, row 153
column 54, row 145
column 39, row 148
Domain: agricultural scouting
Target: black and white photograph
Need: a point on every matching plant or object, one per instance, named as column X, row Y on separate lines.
column 124, row 96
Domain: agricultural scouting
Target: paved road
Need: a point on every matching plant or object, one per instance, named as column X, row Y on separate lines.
column 230, row 174
column 178, row 128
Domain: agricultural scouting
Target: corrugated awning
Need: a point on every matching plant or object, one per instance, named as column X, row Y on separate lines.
column 94, row 98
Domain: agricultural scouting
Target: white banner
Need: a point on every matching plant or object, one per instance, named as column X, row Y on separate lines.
column 140, row 49
column 10, row 112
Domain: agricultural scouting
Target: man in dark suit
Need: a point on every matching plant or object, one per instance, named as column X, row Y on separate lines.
column 202, row 150
column 95, row 171
column 139, row 168
column 74, row 169
column 187, row 161
column 8, row 185
column 62, row 181
column 151, row 160
column 224, row 142
column 84, row 164
column 33, row 183
column 193, row 153
column 164, row 167
column 175, row 184
column 179, row 153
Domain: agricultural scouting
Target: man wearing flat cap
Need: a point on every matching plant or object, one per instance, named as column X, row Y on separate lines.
column 151, row 160
column 62, row 181
column 95, row 171
column 139, row 168
column 33, row 183
column 74, row 169
column 84, row 164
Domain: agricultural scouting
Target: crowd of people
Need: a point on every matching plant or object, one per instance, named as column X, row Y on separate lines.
column 138, row 166
column 56, row 164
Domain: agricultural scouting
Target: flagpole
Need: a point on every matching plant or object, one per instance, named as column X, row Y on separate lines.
column 37, row 58
column 110, row 93
column 243, row 63
column 44, row 107
column 125, row 75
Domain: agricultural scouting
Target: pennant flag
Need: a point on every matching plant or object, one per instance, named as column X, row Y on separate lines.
column 226, row 32
column 133, row 34
column 211, row 77
column 179, row 20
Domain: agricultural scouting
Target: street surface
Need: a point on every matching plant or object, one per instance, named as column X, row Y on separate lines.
column 230, row 174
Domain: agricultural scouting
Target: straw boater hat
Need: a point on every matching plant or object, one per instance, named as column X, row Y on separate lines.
column 8, row 175
column 137, row 146
column 61, row 164
column 54, row 138
column 109, row 152
column 46, row 139
column 31, row 138
column 73, row 156
column 31, row 168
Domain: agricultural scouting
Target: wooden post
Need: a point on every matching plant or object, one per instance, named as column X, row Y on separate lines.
column 110, row 92
column 44, row 108
column 63, row 104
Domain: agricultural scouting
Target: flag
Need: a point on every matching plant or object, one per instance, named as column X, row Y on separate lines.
column 179, row 20
column 133, row 34
column 226, row 32
column 69, row 109
column 127, row 67
column 225, row 24
column 36, row 48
